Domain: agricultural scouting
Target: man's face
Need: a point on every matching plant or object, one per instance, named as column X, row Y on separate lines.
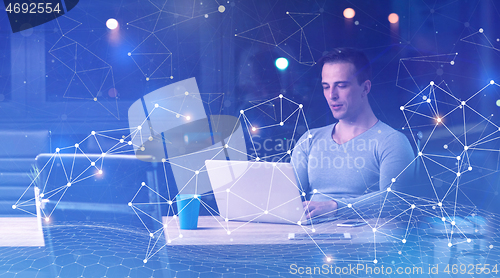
column 345, row 97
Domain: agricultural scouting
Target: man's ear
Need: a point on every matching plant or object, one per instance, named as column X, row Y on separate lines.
column 367, row 86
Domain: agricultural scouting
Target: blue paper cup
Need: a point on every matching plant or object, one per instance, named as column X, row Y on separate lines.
column 188, row 209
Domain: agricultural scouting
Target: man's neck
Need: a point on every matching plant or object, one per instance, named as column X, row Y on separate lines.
column 346, row 130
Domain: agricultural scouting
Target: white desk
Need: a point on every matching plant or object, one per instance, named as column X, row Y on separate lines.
column 214, row 231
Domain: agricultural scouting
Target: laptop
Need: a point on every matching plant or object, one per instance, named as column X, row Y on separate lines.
column 258, row 192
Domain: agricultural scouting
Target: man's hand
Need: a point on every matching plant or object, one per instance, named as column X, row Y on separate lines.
column 321, row 209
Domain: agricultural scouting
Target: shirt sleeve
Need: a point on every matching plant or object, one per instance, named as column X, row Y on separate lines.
column 396, row 160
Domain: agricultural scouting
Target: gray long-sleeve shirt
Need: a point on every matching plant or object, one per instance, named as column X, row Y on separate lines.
column 357, row 172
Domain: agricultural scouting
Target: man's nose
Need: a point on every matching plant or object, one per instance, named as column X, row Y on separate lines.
column 333, row 94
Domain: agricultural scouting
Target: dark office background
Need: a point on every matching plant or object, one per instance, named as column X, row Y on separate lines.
column 50, row 75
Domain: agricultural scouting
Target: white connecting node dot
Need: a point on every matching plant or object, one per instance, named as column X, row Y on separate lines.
column 129, row 204
column 449, row 244
column 151, row 235
column 76, row 145
column 481, row 30
column 413, row 206
column 57, row 150
column 47, row 219
column 121, row 140
column 469, row 240
column 401, row 108
column 466, row 148
column 129, row 142
column 221, row 9
column 453, row 223
column 315, row 191
column 470, row 168
column 188, row 118
column 303, row 194
column 288, row 152
column 393, row 180
column 428, row 100
column 100, row 172
column 92, row 163
column 458, row 174
column 349, row 205
column 226, row 146
column 93, row 133
column 445, row 146
column 328, row 259
column 419, row 153
column 443, row 219
column 440, row 204
column 169, row 202
column 404, row 240
column 438, row 120
column 228, row 232
column 300, row 105
column 463, row 103
column 227, row 219
column 157, row 105
column 375, row 261
column 242, row 112
column 374, row 230
column 432, row 83
column 310, row 136
column 228, row 190
column 389, row 189
column 281, row 96
column 281, row 123
column 492, row 82
column 196, row 172
column 144, row 261
column 177, row 116
column 266, row 212
column 14, row 206
column 458, row 157
column 68, row 184
column 139, row 127
column 452, row 63
column 163, row 160
column 257, row 159
column 186, row 93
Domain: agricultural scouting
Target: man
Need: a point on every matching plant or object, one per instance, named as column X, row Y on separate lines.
column 350, row 165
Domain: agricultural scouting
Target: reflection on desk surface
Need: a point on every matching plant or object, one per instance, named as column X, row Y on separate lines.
column 216, row 231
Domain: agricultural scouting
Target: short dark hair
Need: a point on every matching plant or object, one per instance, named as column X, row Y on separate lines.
column 353, row 56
